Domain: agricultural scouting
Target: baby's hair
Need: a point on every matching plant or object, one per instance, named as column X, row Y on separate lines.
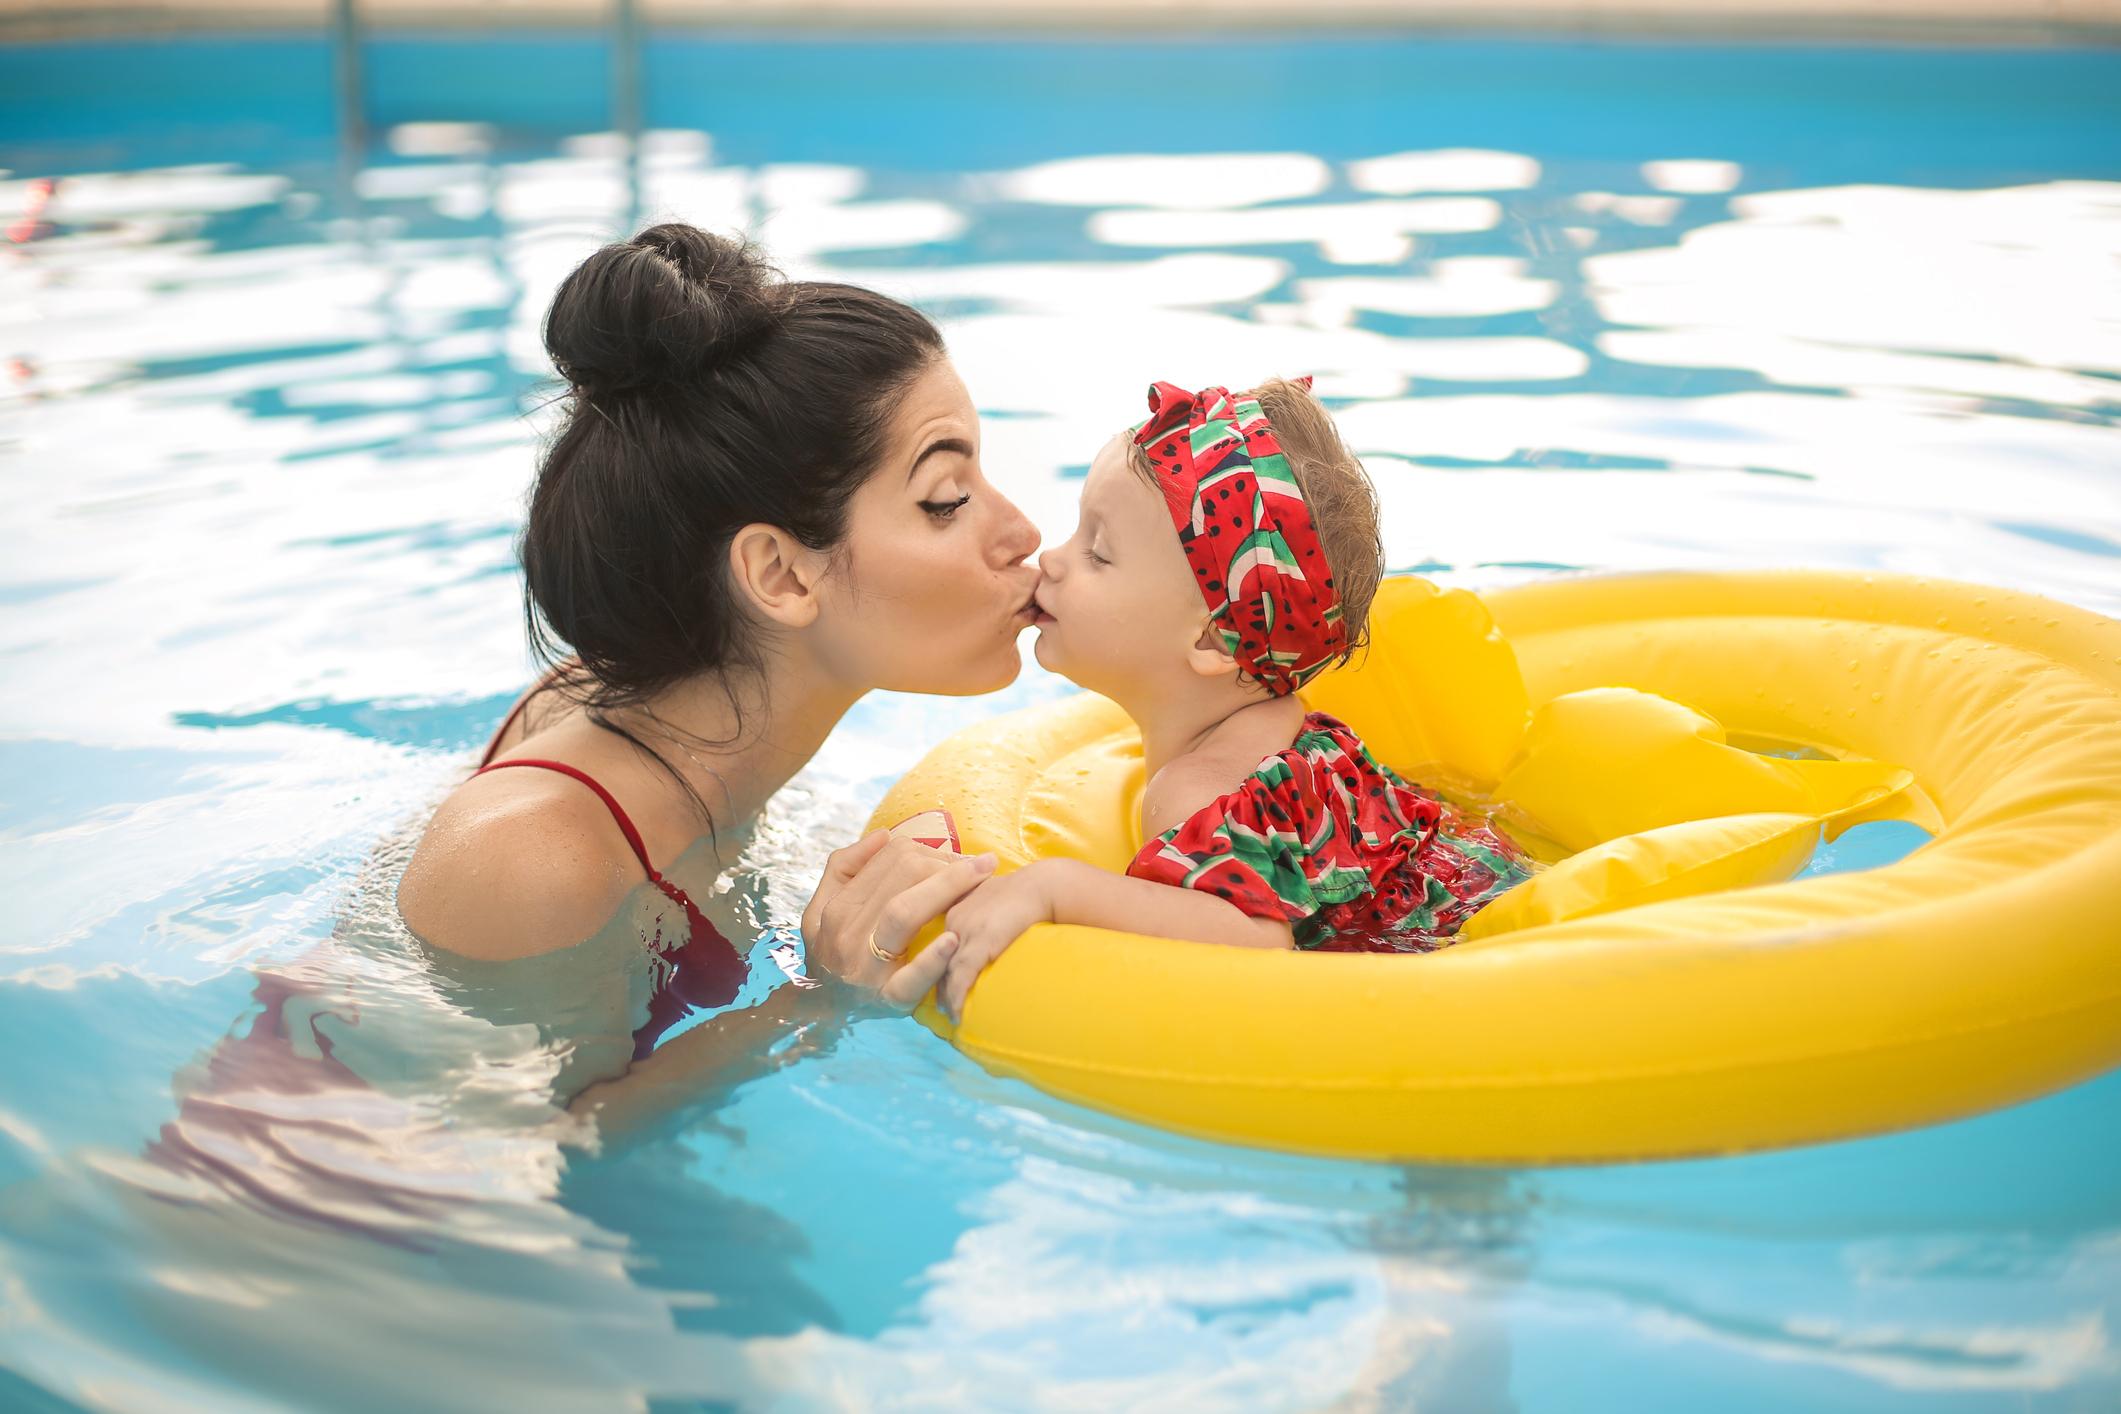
column 1343, row 502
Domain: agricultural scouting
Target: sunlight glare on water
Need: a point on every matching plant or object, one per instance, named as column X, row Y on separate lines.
column 268, row 414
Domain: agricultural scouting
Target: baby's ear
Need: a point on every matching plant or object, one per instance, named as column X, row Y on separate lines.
column 1208, row 656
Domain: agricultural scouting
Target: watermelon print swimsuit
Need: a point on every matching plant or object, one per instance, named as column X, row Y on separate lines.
column 1328, row 838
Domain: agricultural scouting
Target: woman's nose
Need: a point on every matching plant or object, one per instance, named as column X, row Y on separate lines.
column 1020, row 537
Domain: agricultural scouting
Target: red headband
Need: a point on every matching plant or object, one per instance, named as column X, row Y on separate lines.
column 1246, row 531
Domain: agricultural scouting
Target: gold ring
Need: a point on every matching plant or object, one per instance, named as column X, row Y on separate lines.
column 881, row 956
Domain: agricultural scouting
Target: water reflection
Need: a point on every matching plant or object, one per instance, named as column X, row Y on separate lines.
column 271, row 421
column 1366, row 233
column 1460, row 287
column 1448, row 169
column 1203, row 182
column 2014, row 277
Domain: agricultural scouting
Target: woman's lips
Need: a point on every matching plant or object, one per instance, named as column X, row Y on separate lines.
column 1033, row 611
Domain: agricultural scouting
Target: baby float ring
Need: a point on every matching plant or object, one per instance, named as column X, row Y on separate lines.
column 1666, row 990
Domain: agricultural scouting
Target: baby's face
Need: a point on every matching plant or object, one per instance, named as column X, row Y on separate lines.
column 1119, row 608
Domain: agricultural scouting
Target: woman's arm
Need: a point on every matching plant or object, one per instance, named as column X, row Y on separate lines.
column 876, row 892
column 697, row 1069
column 1070, row 891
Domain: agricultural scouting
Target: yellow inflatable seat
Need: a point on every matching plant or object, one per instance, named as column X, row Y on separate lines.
column 1655, row 993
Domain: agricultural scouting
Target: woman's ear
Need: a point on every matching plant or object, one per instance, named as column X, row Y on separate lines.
column 1208, row 656
column 776, row 573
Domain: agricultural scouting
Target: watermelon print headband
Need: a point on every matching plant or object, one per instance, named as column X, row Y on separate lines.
column 1246, row 531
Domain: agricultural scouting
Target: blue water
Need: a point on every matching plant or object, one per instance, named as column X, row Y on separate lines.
column 267, row 411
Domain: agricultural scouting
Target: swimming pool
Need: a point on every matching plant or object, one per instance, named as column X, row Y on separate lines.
column 1581, row 305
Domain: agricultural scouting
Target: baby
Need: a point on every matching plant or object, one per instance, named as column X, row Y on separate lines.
column 1227, row 553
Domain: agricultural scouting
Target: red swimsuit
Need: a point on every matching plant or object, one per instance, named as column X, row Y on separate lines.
column 704, row 969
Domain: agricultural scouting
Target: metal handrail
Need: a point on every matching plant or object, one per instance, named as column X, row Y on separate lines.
column 348, row 35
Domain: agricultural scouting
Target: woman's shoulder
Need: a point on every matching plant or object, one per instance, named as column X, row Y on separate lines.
column 516, row 863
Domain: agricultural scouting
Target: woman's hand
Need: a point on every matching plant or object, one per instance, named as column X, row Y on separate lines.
column 993, row 916
column 876, row 894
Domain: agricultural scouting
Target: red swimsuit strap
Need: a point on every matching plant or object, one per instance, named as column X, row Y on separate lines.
column 633, row 836
column 706, row 968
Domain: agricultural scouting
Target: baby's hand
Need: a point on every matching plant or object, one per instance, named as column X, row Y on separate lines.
column 986, row 921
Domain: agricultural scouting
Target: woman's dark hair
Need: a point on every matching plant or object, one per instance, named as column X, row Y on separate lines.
column 705, row 393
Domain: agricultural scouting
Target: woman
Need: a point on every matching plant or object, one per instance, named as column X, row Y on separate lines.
column 765, row 501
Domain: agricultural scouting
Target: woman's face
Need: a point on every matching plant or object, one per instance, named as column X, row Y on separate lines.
column 934, row 587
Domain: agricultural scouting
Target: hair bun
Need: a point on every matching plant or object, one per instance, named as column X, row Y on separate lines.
column 668, row 304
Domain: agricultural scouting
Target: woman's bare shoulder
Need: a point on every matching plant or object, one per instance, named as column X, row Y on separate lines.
column 514, row 864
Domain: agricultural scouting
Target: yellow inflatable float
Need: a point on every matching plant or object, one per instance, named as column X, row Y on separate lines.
column 1665, row 989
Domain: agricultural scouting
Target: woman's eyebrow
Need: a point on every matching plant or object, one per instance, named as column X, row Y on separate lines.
column 944, row 444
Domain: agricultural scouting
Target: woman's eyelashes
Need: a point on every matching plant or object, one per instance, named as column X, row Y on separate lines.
column 944, row 510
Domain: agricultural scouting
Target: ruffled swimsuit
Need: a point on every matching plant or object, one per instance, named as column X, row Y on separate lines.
column 1327, row 838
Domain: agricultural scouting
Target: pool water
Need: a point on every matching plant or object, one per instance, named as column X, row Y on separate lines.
column 268, row 407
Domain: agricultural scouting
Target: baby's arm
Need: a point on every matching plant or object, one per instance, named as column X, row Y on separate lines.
column 996, row 913
column 1184, row 785
column 1070, row 891
column 1083, row 893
